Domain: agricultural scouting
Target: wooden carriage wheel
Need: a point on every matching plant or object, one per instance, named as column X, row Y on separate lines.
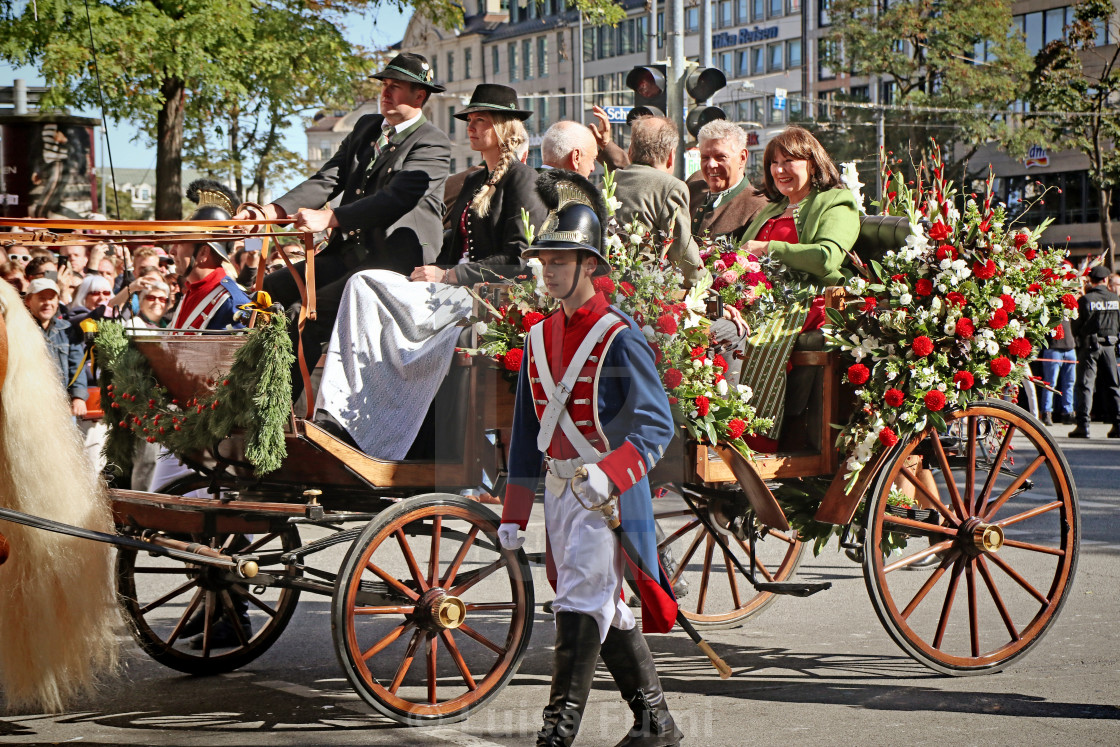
column 430, row 617
column 1002, row 527
column 162, row 596
column 716, row 594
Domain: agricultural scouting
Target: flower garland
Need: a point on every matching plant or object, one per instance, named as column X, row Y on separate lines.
column 952, row 317
column 646, row 286
column 255, row 396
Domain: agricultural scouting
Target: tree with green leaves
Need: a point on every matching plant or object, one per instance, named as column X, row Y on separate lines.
column 959, row 56
column 1076, row 76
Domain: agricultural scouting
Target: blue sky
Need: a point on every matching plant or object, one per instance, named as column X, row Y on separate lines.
column 375, row 29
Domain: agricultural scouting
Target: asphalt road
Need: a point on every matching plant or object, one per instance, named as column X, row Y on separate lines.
column 818, row 670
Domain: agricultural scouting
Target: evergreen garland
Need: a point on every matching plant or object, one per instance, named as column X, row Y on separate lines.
column 255, row 396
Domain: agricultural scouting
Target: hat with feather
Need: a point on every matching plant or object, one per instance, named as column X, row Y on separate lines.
column 215, row 201
column 577, row 217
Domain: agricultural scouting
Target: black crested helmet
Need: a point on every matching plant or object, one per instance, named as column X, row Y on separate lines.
column 215, row 201
column 577, row 217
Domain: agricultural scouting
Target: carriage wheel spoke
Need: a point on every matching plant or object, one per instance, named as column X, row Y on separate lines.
column 177, row 591
column 262, row 606
column 480, row 574
column 1036, row 511
column 472, row 633
column 207, row 626
column 926, row 588
column 1034, row 548
column 932, row 499
column 410, row 559
column 973, row 612
column 409, row 655
column 970, row 466
column 393, row 635
column 990, row 582
column 688, row 527
column 947, row 607
column 701, row 597
column 433, row 674
column 457, row 657
column 911, row 559
column 1019, row 579
column 787, row 538
column 160, row 571
column 490, row 606
column 177, row 631
column 391, row 609
column 433, row 559
column 947, row 472
column 687, row 557
column 1001, row 455
column 758, row 565
column 234, row 622
column 732, row 580
column 1011, row 489
column 384, row 576
column 260, row 543
column 460, row 556
column 902, row 521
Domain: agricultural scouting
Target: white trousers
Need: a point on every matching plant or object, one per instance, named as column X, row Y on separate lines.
column 588, row 560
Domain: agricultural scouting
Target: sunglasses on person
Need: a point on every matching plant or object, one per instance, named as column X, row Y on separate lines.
column 160, row 299
column 25, row 258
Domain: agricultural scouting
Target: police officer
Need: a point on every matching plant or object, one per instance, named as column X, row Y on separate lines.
column 1097, row 329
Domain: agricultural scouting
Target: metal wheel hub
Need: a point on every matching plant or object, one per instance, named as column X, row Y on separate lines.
column 437, row 610
column 977, row 537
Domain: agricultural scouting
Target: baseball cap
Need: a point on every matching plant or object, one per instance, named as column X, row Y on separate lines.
column 38, row 285
column 1100, row 272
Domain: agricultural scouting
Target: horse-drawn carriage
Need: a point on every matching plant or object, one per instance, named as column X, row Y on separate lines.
column 424, row 576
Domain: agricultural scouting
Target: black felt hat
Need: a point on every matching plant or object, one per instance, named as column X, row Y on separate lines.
column 413, row 68
column 215, row 201
column 576, row 219
column 494, row 97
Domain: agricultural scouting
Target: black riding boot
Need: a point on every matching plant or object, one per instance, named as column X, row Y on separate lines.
column 576, row 653
column 629, row 661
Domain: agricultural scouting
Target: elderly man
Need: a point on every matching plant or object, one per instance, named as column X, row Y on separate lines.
column 389, row 173
column 571, row 146
column 723, row 202
column 651, row 195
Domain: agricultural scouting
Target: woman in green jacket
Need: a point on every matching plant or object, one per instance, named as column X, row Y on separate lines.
column 810, row 225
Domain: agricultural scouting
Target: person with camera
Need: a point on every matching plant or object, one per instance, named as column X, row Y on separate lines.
column 1097, row 330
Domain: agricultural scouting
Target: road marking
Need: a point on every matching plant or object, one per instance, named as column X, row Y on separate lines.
column 456, row 737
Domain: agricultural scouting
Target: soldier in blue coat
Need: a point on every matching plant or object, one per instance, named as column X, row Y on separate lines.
column 592, row 419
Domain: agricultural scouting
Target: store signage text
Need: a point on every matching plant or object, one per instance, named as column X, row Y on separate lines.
column 745, row 36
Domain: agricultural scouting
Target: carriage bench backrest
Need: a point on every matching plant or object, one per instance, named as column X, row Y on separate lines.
column 878, row 234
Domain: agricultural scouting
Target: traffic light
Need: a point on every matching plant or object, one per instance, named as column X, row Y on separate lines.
column 650, row 91
column 701, row 84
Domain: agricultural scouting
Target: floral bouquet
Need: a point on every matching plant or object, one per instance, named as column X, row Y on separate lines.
column 952, row 317
column 646, row 286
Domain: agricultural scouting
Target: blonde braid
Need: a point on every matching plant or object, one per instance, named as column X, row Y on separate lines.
column 510, row 133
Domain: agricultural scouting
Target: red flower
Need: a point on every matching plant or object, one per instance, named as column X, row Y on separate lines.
column 998, row 319
column 923, row 287
column 512, row 359
column 667, row 324
column 603, row 284
column 984, row 226
column 869, row 304
column 1069, row 301
column 947, row 251
column 887, row 437
column 956, row 298
column 1001, row 366
column 900, row 278
column 697, row 353
column 965, row 328
column 702, row 405
column 939, row 231
column 530, row 318
column 736, row 428
column 922, row 346
column 1030, row 254
column 1034, row 288
column 729, row 258
column 1008, row 303
column 1020, row 347
column 672, row 400
column 673, row 378
column 984, row 271
column 894, row 397
column 858, row 374
column 963, row 380
column 935, row 400
column 1020, row 239
column 1059, row 333
column 720, row 362
column 627, row 289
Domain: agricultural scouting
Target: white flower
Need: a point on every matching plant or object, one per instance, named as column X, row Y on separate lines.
column 535, row 265
column 991, row 347
column 613, row 204
column 480, row 328
column 721, row 387
column 951, row 327
column 905, row 299
column 745, row 392
column 696, row 365
column 892, row 375
column 635, row 238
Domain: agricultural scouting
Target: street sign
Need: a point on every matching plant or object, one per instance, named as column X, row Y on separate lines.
column 617, row 114
column 780, row 98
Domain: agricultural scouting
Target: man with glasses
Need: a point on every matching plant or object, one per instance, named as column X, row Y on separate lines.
column 19, row 254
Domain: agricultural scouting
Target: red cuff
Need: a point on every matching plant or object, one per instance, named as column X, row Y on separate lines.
column 517, row 506
column 624, row 466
